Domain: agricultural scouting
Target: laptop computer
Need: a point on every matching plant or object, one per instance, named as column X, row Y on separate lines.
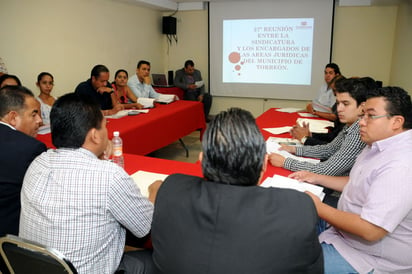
column 159, row 80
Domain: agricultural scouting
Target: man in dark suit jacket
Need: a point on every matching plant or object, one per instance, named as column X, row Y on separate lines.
column 19, row 122
column 186, row 79
column 227, row 224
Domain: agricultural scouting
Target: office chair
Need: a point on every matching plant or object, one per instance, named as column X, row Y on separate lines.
column 23, row 256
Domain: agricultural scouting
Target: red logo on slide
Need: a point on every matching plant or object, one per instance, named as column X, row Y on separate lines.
column 234, row 57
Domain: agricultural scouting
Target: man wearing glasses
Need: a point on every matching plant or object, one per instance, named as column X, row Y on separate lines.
column 372, row 226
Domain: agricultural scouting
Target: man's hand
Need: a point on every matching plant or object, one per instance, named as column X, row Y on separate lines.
column 290, row 149
column 276, row 160
column 298, row 132
column 304, row 176
column 147, row 80
column 200, row 98
column 102, row 90
column 191, row 86
column 153, row 188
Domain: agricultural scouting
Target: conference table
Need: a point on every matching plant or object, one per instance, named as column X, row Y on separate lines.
column 162, row 125
column 270, row 118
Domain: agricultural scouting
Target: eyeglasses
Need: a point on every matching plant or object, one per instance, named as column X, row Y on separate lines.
column 372, row 117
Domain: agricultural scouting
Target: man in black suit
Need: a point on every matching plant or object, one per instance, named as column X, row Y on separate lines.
column 225, row 223
column 19, row 122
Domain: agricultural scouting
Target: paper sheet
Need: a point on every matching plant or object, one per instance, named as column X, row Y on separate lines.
column 278, row 130
column 284, row 141
column 288, row 110
column 308, row 115
column 146, row 102
column 144, row 179
column 273, row 147
column 285, row 182
column 166, row 98
column 44, row 129
column 199, row 84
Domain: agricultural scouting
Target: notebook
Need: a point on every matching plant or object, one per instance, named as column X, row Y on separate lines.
column 159, row 80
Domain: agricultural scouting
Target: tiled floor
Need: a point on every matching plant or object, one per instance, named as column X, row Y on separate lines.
column 175, row 151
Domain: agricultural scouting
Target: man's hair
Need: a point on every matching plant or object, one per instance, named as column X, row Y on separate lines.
column 189, row 63
column 71, row 118
column 398, row 102
column 9, row 76
column 233, row 149
column 333, row 66
column 12, row 98
column 358, row 88
column 97, row 69
column 143, row 62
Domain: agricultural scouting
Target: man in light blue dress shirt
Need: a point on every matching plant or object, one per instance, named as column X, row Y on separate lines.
column 140, row 83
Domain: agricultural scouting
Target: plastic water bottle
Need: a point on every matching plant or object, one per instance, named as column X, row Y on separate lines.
column 117, row 149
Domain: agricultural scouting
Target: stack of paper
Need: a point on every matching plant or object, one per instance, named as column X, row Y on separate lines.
column 273, row 147
column 285, row 141
column 144, row 179
column 146, row 102
column 166, row 98
column 285, row 182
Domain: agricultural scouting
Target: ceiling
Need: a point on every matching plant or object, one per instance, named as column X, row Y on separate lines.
column 172, row 5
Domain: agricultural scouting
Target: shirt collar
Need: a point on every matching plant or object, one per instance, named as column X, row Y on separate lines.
column 10, row 126
column 398, row 138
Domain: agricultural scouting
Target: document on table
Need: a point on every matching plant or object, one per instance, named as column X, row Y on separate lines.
column 146, row 102
column 307, row 115
column 288, row 110
column 285, row 141
column 315, row 125
column 144, row 179
column 278, row 130
column 285, row 182
column 166, row 98
column 273, row 147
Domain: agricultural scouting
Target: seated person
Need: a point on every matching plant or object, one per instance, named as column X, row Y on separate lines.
column 338, row 156
column 45, row 83
column 225, row 223
column 141, row 83
column 303, row 134
column 123, row 93
column 322, row 104
column 99, row 89
column 185, row 79
column 9, row 80
column 372, row 227
column 19, row 122
column 79, row 204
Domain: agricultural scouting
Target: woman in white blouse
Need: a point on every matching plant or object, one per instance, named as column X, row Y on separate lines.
column 45, row 82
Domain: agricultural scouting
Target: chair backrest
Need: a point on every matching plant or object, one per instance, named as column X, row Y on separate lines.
column 23, row 256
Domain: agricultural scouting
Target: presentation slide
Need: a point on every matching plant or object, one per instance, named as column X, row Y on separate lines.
column 268, row 51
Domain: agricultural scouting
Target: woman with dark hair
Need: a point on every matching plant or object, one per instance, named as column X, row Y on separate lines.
column 45, row 83
column 9, row 80
column 123, row 93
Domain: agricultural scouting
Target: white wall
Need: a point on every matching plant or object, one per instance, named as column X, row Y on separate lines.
column 67, row 38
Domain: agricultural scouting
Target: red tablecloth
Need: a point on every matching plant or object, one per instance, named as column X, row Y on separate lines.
column 164, row 124
column 170, row 90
